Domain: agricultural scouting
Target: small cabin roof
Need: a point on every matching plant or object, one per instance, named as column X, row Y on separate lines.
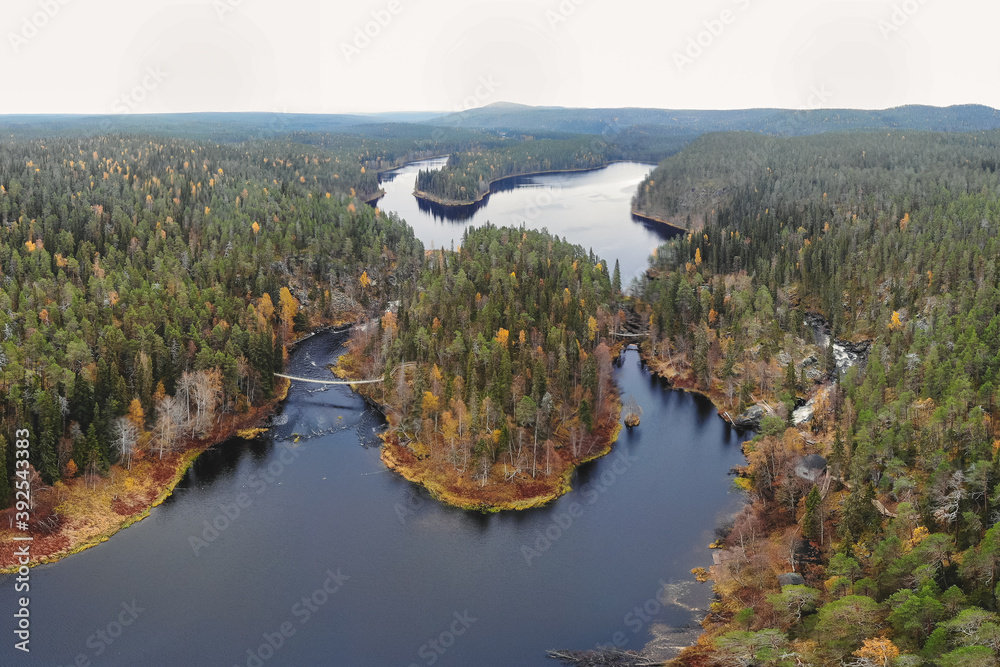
column 813, row 462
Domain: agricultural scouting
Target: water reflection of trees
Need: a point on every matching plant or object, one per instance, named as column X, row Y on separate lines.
column 221, row 462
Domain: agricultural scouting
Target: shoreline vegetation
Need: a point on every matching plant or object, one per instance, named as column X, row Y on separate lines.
column 92, row 510
column 753, row 378
column 721, row 573
column 371, row 199
column 636, row 213
column 125, row 497
column 408, row 163
column 466, row 494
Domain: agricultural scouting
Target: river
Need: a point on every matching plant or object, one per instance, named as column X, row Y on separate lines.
column 277, row 552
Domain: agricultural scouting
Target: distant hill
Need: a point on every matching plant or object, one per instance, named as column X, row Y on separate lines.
column 220, row 126
column 782, row 122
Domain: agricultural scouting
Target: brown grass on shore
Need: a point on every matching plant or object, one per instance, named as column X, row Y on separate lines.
column 75, row 515
column 522, row 492
column 83, row 513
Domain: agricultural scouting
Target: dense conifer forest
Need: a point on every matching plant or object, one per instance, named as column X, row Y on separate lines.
column 150, row 284
column 891, row 237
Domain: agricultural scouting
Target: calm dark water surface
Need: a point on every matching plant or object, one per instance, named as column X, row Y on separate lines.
column 592, row 209
column 310, row 553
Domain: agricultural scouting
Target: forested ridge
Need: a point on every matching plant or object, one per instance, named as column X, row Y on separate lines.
column 609, row 123
column 892, row 238
column 150, row 286
column 498, row 372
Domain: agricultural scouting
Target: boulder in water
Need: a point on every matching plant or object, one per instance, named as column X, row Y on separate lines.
column 632, row 411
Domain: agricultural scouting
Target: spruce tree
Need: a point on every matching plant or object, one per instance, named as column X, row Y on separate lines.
column 837, row 454
column 811, row 520
column 790, row 379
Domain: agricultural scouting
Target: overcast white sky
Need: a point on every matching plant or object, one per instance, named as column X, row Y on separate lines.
column 105, row 56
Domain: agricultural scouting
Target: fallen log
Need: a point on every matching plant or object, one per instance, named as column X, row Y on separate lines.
column 882, row 510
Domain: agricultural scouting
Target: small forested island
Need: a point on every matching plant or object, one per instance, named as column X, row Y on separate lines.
column 497, row 369
column 468, row 175
column 840, row 295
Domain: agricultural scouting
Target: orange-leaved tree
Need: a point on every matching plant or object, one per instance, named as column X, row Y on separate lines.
column 876, row 652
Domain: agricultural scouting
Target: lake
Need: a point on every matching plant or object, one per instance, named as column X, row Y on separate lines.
column 591, row 209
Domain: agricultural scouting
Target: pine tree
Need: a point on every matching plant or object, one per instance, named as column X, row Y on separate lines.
column 700, row 362
column 4, row 479
column 93, row 447
column 48, row 431
column 586, row 416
